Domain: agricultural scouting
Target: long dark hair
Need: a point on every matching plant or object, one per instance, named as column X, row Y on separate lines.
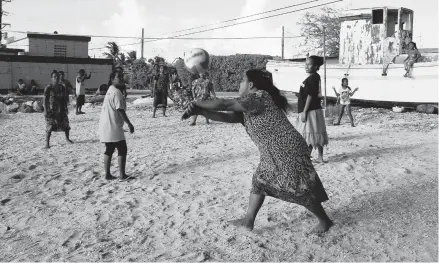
column 263, row 80
column 317, row 61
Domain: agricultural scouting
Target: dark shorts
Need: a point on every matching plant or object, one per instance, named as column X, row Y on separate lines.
column 121, row 147
column 160, row 99
column 80, row 100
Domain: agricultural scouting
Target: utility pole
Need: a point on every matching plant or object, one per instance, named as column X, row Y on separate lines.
column 324, row 64
column 283, row 41
column 1, row 14
column 141, row 51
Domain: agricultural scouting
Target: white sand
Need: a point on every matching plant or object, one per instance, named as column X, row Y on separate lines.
column 56, row 206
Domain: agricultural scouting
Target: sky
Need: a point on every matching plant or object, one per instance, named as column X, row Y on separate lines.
column 128, row 17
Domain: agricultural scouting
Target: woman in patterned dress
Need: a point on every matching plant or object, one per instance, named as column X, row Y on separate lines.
column 285, row 170
column 56, row 99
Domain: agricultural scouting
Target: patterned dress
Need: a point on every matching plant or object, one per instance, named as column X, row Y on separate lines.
column 285, row 170
column 202, row 89
column 55, row 103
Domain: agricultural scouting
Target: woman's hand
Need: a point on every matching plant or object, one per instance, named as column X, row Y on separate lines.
column 191, row 110
column 303, row 116
column 357, row 88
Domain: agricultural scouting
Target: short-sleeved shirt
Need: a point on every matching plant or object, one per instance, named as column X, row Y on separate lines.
column 345, row 97
column 111, row 121
column 310, row 86
column 162, row 83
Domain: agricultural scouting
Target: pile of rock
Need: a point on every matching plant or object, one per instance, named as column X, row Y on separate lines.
column 10, row 105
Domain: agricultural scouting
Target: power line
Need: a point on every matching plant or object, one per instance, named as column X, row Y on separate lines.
column 239, row 18
column 245, row 22
column 206, row 38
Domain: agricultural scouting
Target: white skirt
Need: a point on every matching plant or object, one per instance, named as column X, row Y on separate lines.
column 314, row 129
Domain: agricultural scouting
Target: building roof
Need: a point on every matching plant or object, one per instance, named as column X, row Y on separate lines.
column 11, row 50
column 363, row 13
column 59, row 37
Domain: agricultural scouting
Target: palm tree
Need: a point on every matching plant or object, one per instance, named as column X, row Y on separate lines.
column 132, row 55
column 115, row 54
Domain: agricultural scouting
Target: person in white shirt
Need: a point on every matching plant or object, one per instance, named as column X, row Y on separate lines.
column 344, row 95
column 80, row 90
column 111, row 122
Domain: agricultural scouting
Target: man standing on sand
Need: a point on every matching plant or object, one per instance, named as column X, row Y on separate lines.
column 80, row 90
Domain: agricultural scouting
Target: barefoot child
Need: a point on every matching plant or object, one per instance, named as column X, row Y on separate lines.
column 111, row 122
column 285, row 170
column 311, row 121
column 161, row 84
column 202, row 89
column 344, row 96
column 56, row 99
column 412, row 58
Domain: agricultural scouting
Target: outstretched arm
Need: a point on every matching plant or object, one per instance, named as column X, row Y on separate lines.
column 336, row 93
column 221, row 105
column 229, row 117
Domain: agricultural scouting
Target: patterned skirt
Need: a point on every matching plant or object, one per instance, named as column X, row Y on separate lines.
column 314, row 129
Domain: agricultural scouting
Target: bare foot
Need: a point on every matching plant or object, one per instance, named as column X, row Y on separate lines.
column 242, row 223
column 110, row 177
column 153, row 117
column 320, row 160
column 353, row 125
column 322, row 227
column 70, row 141
column 47, row 146
column 127, row 178
column 192, row 124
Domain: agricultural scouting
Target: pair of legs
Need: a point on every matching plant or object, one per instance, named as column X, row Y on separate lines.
column 348, row 111
column 163, row 110
column 320, row 150
column 194, row 120
column 256, row 202
column 160, row 98
column 49, row 133
column 408, row 65
column 122, row 151
column 79, row 102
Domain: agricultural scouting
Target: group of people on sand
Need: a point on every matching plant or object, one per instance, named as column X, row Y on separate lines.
column 285, row 171
column 56, row 100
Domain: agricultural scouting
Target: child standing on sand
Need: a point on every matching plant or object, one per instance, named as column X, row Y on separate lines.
column 111, row 122
column 344, row 95
column 311, row 120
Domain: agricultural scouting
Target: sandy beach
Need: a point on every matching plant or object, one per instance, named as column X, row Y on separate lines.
column 381, row 178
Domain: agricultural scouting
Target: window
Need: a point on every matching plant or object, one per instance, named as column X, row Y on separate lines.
column 377, row 16
column 60, row 51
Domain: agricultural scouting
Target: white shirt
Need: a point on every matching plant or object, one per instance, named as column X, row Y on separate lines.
column 80, row 87
column 345, row 97
column 111, row 121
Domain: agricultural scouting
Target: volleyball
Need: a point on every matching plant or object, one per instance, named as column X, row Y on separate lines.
column 197, row 61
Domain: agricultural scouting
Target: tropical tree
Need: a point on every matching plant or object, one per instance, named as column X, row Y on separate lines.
column 312, row 28
column 131, row 57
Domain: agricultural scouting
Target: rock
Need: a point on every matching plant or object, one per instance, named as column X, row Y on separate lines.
column 12, row 108
column 38, row 106
column 96, row 99
column 398, row 109
column 3, row 107
column 427, row 108
column 87, row 105
column 29, row 103
column 24, row 108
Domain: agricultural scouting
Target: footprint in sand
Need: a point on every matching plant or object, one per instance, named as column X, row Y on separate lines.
column 32, row 167
column 88, row 194
column 72, row 242
column 104, row 217
column 17, row 177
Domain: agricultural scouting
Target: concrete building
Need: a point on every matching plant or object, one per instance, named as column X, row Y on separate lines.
column 37, row 55
column 375, row 35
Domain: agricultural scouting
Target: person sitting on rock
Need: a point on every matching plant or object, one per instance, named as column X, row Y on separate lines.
column 21, row 87
column 33, row 87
